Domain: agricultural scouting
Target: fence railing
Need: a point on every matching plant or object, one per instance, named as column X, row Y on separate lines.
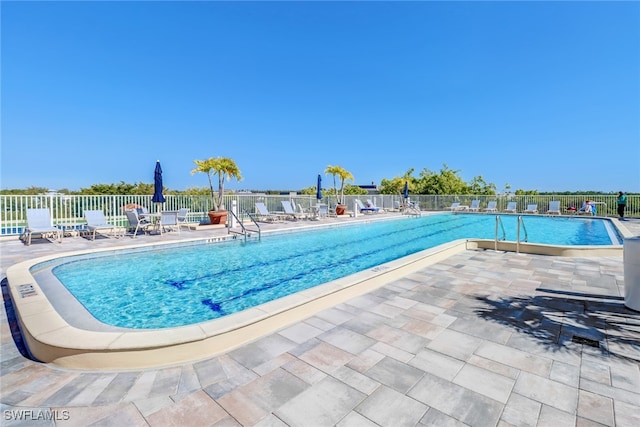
column 69, row 209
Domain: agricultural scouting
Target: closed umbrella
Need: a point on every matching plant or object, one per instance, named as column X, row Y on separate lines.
column 406, row 190
column 158, row 198
column 319, row 190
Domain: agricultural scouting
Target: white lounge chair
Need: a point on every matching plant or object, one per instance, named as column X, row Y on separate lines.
column 289, row 210
column 301, row 211
column 96, row 222
column 39, row 222
column 370, row 204
column 137, row 223
column 264, row 214
column 491, row 207
column 531, row 208
column 475, row 206
column 554, row 208
column 456, row 206
column 511, row 207
column 366, row 209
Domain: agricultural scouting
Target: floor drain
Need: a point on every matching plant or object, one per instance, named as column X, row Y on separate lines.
column 586, row 341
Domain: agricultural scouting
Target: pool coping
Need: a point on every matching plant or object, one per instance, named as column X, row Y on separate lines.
column 51, row 339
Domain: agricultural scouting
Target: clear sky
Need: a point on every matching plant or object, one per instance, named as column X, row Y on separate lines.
column 541, row 95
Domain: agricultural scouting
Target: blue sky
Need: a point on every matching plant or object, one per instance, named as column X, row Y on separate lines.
column 540, row 95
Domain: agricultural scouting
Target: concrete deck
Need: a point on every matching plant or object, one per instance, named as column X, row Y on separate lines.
column 481, row 338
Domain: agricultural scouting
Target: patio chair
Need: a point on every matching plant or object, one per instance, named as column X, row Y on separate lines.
column 39, row 222
column 96, row 222
column 554, row 208
column 183, row 220
column 136, row 223
column 366, row 209
column 168, row 221
column 264, row 214
column 491, row 207
column 323, row 211
column 289, row 210
column 531, row 208
column 511, row 207
column 475, row 206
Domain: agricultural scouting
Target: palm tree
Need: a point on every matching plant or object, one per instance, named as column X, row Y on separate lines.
column 224, row 167
column 343, row 174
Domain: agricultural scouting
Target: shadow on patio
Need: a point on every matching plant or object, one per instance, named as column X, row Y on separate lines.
column 562, row 322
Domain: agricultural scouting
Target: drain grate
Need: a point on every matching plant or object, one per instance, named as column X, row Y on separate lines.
column 586, row 341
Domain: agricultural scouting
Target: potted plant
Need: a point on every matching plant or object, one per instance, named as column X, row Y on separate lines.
column 224, row 167
column 343, row 174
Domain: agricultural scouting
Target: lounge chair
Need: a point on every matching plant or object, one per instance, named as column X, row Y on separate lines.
column 511, row 207
column 96, row 222
column 475, row 206
column 136, row 223
column 301, row 211
column 532, row 209
column 289, row 210
column 370, row 204
column 264, row 214
column 366, row 209
column 491, row 207
column 456, row 206
column 39, row 222
column 554, row 208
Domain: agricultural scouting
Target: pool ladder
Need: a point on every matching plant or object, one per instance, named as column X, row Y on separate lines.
column 521, row 225
column 245, row 232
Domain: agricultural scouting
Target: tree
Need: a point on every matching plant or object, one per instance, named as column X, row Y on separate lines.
column 446, row 182
column 343, row 174
column 224, row 167
column 479, row 186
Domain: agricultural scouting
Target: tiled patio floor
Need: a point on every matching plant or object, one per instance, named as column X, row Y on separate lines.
column 482, row 338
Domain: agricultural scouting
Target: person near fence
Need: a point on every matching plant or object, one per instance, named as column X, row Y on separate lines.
column 622, row 203
column 586, row 207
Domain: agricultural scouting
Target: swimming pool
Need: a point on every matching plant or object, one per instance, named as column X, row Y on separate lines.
column 178, row 286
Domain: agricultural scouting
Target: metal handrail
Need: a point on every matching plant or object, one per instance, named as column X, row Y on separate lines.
column 504, row 233
column 245, row 230
column 526, row 235
column 255, row 222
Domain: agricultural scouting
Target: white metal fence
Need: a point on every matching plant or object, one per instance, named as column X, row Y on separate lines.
column 69, row 209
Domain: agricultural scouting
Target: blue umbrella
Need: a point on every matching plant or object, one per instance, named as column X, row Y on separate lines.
column 319, row 190
column 157, row 184
column 406, row 190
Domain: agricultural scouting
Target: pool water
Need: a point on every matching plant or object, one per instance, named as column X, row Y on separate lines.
column 181, row 285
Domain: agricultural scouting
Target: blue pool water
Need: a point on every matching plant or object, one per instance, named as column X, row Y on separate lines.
column 182, row 285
